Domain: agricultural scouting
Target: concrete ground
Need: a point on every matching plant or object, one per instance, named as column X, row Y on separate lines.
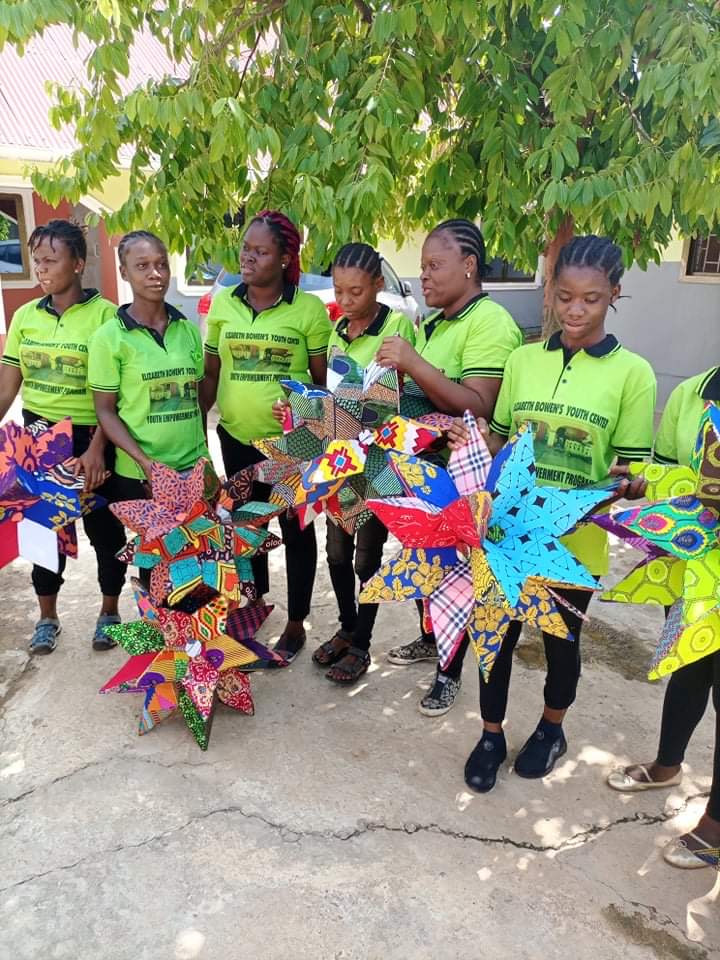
column 335, row 823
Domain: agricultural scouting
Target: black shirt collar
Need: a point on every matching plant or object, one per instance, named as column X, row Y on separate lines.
column 371, row 331
column 601, row 349
column 130, row 323
column 710, row 388
column 46, row 302
column 287, row 296
column 438, row 317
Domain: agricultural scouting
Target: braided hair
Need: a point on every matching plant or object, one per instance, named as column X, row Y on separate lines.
column 130, row 238
column 71, row 234
column 598, row 253
column 287, row 237
column 469, row 238
column 359, row 255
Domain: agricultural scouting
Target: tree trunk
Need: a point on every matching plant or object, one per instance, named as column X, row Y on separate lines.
column 565, row 232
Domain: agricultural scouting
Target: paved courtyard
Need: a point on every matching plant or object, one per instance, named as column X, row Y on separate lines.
column 335, row 822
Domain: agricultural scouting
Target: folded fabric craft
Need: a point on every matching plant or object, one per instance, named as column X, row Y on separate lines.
column 481, row 544
column 187, row 662
column 40, row 496
column 333, row 454
column 678, row 532
column 187, row 543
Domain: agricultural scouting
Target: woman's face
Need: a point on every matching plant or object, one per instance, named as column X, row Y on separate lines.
column 261, row 261
column 581, row 297
column 356, row 291
column 443, row 269
column 55, row 267
column 147, row 270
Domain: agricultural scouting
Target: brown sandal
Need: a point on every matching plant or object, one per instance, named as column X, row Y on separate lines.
column 350, row 667
column 332, row 650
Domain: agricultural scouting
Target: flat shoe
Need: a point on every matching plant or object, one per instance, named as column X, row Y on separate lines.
column 678, row 854
column 621, row 780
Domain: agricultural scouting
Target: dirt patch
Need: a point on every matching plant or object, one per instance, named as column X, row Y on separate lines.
column 636, row 929
column 623, row 653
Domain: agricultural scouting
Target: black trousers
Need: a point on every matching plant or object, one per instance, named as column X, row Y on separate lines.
column 366, row 548
column 563, row 663
column 686, row 699
column 103, row 529
column 300, row 545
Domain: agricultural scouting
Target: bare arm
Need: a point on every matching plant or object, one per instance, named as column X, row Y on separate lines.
column 318, row 369
column 116, row 431
column 209, row 383
column 476, row 394
column 10, row 383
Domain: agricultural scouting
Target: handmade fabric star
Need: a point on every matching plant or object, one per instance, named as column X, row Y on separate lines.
column 493, row 533
column 188, row 661
column 40, row 496
column 187, row 544
column 679, row 535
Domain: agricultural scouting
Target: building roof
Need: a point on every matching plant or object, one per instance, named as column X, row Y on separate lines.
column 25, row 130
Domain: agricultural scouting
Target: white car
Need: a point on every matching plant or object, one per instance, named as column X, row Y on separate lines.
column 397, row 293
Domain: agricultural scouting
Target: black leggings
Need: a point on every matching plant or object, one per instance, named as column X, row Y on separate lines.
column 367, row 549
column 300, row 545
column 686, row 698
column 454, row 668
column 103, row 529
column 563, row 663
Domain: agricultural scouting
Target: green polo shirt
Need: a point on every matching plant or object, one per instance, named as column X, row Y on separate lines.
column 51, row 351
column 156, row 381
column 584, row 409
column 388, row 323
column 256, row 350
column 474, row 342
column 676, row 435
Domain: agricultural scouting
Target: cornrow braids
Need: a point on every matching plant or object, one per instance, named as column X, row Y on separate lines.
column 130, row 238
column 469, row 238
column 70, row 233
column 359, row 255
column 288, row 239
column 599, row 253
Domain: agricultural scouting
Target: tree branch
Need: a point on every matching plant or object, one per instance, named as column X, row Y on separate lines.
column 637, row 122
column 366, row 14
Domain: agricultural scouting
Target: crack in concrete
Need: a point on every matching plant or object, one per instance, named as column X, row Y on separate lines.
column 289, row 834
column 700, row 950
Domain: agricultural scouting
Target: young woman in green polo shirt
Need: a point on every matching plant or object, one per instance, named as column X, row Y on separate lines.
column 588, row 401
column 688, row 689
column 145, row 368
column 456, row 364
column 358, row 332
column 260, row 332
column 46, row 360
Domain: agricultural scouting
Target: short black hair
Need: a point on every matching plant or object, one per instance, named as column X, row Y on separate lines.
column 71, row 234
column 359, row 255
column 598, row 253
column 130, row 238
column 469, row 238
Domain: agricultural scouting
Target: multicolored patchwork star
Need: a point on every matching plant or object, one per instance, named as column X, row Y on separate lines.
column 482, row 544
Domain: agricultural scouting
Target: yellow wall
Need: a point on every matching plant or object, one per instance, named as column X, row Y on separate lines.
column 112, row 194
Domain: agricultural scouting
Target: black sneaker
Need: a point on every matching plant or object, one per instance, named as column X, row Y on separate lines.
column 414, row 652
column 540, row 754
column 441, row 696
column 484, row 762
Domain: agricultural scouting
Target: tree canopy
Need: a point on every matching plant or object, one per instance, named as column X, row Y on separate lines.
column 368, row 118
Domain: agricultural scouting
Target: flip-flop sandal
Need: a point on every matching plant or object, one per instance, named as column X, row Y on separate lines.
column 329, row 653
column 352, row 674
column 289, row 655
column 622, row 781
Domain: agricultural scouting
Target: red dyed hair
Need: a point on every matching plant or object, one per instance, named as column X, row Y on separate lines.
column 288, row 239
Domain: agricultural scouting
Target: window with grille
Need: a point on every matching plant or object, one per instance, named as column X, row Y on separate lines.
column 704, row 256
